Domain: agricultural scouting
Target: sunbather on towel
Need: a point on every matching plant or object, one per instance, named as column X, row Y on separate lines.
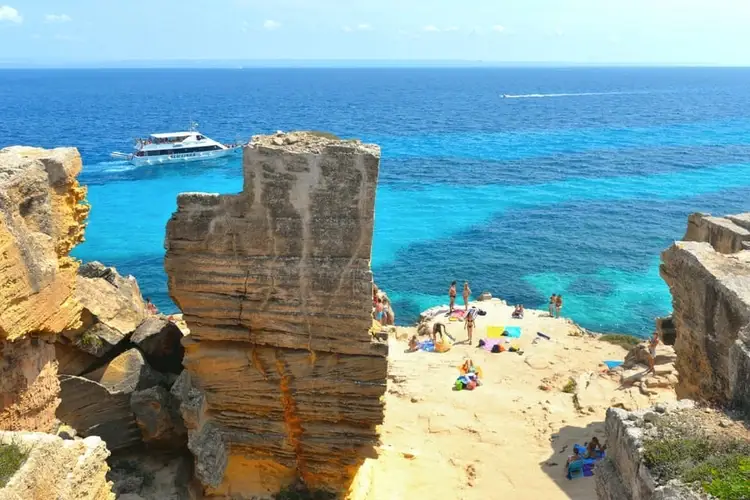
column 576, row 456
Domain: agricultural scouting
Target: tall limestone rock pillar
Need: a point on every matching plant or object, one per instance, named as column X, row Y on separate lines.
column 42, row 214
column 282, row 378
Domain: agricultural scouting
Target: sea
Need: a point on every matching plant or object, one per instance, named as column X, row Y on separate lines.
column 522, row 181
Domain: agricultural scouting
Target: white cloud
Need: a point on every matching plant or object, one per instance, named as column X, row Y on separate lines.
column 451, row 28
column 364, row 27
column 57, row 18
column 431, row 28
column 8, row 13
column 498, row 28
column 270, row 24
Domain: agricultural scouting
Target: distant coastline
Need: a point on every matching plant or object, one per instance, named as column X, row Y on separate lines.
column 331, row 63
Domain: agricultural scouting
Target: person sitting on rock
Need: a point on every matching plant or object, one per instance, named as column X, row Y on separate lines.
column 652, row 352
column 150, row 307
column 518, row 312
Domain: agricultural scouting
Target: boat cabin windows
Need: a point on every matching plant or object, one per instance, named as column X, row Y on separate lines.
column 161, row 152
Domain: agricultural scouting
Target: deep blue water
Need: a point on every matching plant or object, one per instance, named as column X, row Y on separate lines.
column 573, row 186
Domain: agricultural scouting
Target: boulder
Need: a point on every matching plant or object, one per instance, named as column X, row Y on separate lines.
column 92, row 410
column 109, row 298
column 73, row 361
column 160, row 341
column 126, row 373
column 97, row 340
column 58, row 469
column 158, row 416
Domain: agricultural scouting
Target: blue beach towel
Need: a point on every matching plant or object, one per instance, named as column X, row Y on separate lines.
column 427, row 346
column 613, row 364
column 513, row 332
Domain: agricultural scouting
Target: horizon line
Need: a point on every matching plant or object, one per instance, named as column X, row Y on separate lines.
column 334, row 63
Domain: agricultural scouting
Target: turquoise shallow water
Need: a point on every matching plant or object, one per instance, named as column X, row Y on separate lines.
column 571, row 194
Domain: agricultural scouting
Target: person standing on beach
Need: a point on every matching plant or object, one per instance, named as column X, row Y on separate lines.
column 452, row 296
column 652, row 353
column 558, row 305
column 466, row 295
column 552, row 305
column 469, row 325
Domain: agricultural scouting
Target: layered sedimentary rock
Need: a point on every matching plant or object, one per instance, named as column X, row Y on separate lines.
column 728, row 234
column 710, row 287
column 57, row 469
column 41, row 219
column 275, row 285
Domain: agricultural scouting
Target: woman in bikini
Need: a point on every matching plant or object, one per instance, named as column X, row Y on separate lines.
column 466, row 295
column 469, row 325
column 558, row 305
column 452, row 296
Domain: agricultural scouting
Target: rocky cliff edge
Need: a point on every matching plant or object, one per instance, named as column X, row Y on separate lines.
column 709, row 278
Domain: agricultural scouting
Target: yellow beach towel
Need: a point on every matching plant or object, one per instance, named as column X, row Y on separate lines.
column 495, row 332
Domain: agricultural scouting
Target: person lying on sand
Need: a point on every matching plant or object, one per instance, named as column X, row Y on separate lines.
column 573, row 458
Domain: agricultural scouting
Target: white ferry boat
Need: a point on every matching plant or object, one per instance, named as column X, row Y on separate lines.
column 176, row 147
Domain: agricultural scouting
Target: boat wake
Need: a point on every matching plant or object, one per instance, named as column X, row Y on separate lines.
column 571, row 94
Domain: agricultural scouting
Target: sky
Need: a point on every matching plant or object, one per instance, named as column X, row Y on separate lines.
column 71, row 32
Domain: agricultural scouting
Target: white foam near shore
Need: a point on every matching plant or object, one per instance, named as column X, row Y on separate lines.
column 509, row 438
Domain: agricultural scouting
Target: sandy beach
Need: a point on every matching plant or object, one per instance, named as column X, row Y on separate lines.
column 509, row 435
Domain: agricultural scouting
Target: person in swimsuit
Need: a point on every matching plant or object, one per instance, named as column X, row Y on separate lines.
column 452, row 296
column 469, row 325
column 466, row 295
column 558, row 305
column 437, row 328
column 552, row 303
column 379, row 311
column 652, row 352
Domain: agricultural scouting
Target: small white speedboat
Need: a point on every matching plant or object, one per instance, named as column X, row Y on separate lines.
column 176, row 147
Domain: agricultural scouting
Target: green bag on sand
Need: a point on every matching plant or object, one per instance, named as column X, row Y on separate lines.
column 459, row 385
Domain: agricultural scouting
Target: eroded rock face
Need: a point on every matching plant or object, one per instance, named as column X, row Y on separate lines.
column 711, row 302
column 58, row 469
column 41, row 219
column 275, row 286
